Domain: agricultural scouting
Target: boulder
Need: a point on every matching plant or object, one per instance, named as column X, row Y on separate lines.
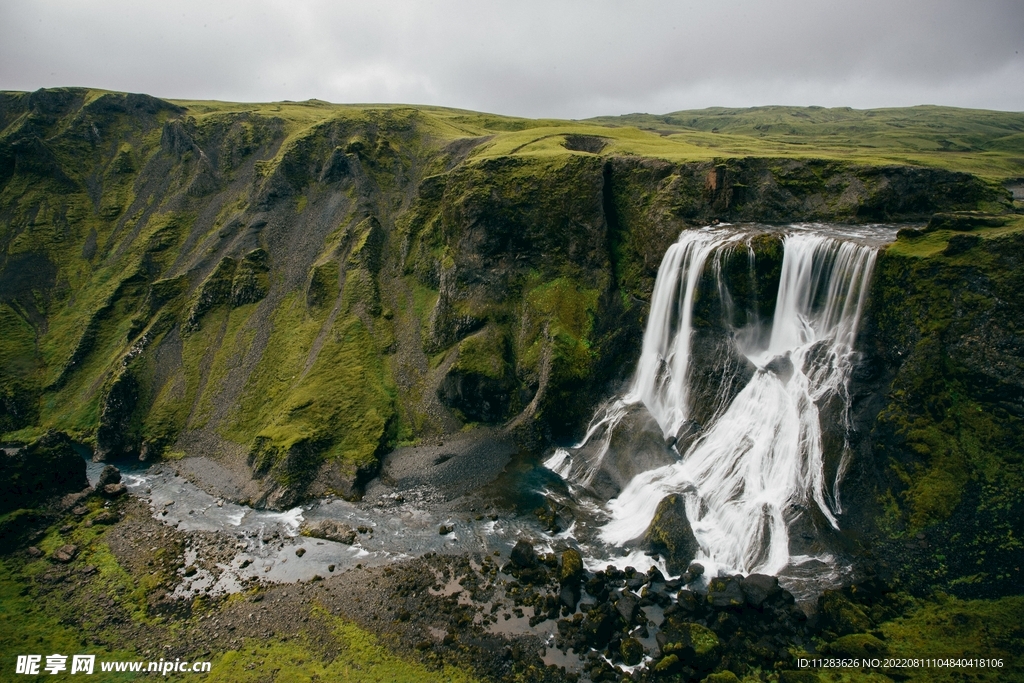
column 569, row 595
column 330, row 530
column 628, row 607
column 670, row 534
column 109, row 475
column 572, row 567
column 631, row 650
column 65, row 553
column 113, row 490
column 725, row 592
column 523, row 554
column 757, row 588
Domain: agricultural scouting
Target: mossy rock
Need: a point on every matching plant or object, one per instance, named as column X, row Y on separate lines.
column 722, row 677
column 572, row 566
column 857, row 645
column 694, row 644
column 841, row 616
column 670, row 534
column 631, row 650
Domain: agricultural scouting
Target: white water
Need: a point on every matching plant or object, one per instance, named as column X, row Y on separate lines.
column 761, row 459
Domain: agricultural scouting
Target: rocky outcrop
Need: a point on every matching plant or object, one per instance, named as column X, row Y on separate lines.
column 32, row 474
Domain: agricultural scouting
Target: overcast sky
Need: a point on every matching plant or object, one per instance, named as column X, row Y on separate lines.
column 548, row 58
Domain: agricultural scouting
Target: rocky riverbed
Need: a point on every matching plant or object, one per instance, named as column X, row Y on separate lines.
column 532, row 611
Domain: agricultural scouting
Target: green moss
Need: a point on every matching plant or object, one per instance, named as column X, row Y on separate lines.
column 28, row 626
column 356, row 655
column 484, row 353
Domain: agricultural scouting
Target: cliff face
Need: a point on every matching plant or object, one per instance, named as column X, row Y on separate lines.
column 940, row 403
column 301, row 287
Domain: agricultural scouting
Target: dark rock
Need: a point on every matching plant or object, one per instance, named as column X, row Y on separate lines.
column 445, row 529
column 598, row 625
column 80, row 511
column 65, row 553
column 569, row 595
column 631, row 650
column 628, row 607
column 670, row 534
column 693, row 643
column 190, row 571
column 725, row 592
column 688, row 600
column 113, row 490
column 109, row 475
column 758, row 587
column 696, row 570
column 299, row 552
column 48, row 467
column 523, row 554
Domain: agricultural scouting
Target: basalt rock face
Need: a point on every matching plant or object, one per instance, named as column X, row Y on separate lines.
column 304, row 285
column 938, row 407
column 41, row 470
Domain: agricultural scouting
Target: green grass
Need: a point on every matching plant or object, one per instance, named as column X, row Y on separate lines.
column 987, row 143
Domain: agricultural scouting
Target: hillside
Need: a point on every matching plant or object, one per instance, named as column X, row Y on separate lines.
column 303, row 286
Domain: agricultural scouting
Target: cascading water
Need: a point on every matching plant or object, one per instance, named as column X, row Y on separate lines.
column 760, row 460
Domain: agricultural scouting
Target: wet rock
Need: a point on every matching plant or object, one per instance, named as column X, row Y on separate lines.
column 631, row 650
column 781, row 367
column 757, row 588
column 725, row 592
column 445, row 529
column 572, row 567
column 693, row 643
column 299, row 552
column 628, row 607
column 670, row 534
column 113, row 490
column 190, row 571
column 65, row 553
column 569, row 595
column 330, row 530
column 523, row 555
column 109, row 475
column 696, row 570
column 598, row 625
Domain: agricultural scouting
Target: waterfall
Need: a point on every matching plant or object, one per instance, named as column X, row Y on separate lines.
column 760, row 461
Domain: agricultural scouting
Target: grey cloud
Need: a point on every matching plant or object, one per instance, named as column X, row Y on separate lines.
column 565, row 59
